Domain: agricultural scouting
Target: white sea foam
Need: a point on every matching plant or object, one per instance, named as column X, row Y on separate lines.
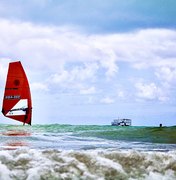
column 32, row 164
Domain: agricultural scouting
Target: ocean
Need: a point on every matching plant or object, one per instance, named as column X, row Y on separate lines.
column 87, row 152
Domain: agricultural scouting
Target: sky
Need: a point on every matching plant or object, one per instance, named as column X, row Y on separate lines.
column 91, row 61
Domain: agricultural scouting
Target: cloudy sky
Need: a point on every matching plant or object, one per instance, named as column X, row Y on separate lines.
column 91, row 61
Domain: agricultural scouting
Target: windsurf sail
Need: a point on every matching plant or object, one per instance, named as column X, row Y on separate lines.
column 17, row 102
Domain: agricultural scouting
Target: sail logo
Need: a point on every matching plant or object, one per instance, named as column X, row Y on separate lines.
column 12, row 97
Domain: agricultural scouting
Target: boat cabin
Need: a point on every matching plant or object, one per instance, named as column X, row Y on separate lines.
column 121, row 122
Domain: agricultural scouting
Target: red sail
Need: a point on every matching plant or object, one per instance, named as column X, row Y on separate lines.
column 17, row 97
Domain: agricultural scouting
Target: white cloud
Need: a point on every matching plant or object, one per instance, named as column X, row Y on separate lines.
column 78, row 61
column 39, row 86
column 166, row 74
column 107, row 100
column 3, row 70
column 121, row 94
column 149, row 92
column 90, row 90
column 52, row 47
column 76, row 77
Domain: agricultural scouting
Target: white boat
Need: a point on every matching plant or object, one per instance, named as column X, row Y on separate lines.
column 121, row 122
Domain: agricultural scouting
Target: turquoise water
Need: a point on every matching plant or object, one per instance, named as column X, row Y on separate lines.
column 87, row 152
column 91, row 136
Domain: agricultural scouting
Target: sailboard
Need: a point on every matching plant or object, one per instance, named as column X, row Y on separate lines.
column 17, row 103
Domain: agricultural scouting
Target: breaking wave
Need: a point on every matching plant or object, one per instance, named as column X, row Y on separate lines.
column 90, row 164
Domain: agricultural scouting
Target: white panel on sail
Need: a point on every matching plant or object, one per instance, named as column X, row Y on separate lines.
column 19, row 108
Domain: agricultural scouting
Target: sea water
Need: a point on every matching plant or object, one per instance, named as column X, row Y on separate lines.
column 87, row 152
